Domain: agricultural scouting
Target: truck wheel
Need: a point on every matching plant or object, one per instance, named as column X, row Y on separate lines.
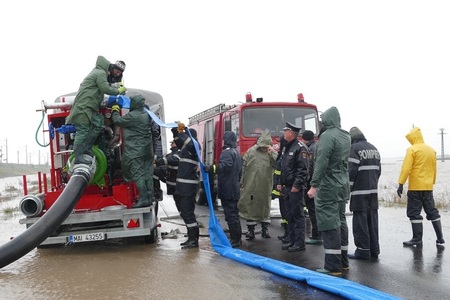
column 200, row 198
column 153, row 237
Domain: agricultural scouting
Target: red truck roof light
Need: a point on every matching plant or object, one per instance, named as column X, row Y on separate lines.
column 248, row 97
column 300, row 98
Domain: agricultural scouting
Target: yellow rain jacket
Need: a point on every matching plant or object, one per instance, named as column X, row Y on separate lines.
column 419, row 164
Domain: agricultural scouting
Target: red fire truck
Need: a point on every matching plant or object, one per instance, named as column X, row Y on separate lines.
column 248, row 120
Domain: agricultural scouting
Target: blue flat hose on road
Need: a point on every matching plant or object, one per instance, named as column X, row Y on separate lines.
column 339, row 286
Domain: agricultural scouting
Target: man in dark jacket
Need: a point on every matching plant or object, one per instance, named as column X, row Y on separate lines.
column 84, row 113
column 137, row 158
column 229, row 171
column 278, row 194
column 167, row 169
column 364, row 169
column 187, row 182
column 315, row 238
column 330, row 189
column 293, row 178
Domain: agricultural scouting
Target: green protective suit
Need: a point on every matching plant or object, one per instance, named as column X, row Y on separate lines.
column 84, row 113
column 90, row 94
column 137, row 158
column 331, row 171
column 257, row 181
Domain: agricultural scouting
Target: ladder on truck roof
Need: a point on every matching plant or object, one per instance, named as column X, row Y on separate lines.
column 213, row 111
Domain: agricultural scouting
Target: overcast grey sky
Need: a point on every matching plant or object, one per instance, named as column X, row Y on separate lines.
column 384, row 64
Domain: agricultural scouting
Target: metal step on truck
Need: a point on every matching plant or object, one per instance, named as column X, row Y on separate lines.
column 105, row 207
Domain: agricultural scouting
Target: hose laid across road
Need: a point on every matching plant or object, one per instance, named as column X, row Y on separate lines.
column 50, row 221
column 335, row 285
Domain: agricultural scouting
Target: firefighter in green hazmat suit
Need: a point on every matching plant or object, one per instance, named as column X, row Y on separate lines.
column 137, row 158
column 330, row 190
column 84, row 113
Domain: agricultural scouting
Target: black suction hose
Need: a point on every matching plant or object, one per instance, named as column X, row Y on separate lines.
column 50, row 221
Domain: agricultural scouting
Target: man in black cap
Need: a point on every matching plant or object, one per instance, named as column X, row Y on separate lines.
column 293, row 179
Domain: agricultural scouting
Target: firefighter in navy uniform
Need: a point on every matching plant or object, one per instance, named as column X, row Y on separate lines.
column 187, row 182
column 278, row 194
column 167, row 169
column 364, row 169
column 294, row 175
column 229, row 172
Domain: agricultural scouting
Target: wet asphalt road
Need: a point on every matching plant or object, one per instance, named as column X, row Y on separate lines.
column 408, row 273
column 124, row 269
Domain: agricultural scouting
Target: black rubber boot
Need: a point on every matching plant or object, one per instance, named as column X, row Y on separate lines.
column 250, row 235
column 286, row 246
column 235, row 235
column 344, row 257
column 286, row 231
column 286, row 239
column 265, row 230
column 185, row 242
column 439, row 236
column 417, row 229
column 193, row 235
column 78, row 154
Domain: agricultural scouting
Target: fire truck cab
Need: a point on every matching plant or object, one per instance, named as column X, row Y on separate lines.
column 104, row 210
column 248, row 120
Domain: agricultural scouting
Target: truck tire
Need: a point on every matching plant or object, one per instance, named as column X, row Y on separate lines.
column 153, row 237
column 200, row 198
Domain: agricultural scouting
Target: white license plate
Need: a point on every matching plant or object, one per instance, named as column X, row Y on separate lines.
column 87, row 237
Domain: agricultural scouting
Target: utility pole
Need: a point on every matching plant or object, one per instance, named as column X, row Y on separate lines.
column 442, row 144
column 4, row 152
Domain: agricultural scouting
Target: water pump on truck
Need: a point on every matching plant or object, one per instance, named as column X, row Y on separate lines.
column 247, row 120
column 104, row 210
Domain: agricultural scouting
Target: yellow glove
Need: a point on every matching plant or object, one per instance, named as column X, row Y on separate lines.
column 115, row 108
column 122, row 89
column 181, row 127
column 211, row 169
